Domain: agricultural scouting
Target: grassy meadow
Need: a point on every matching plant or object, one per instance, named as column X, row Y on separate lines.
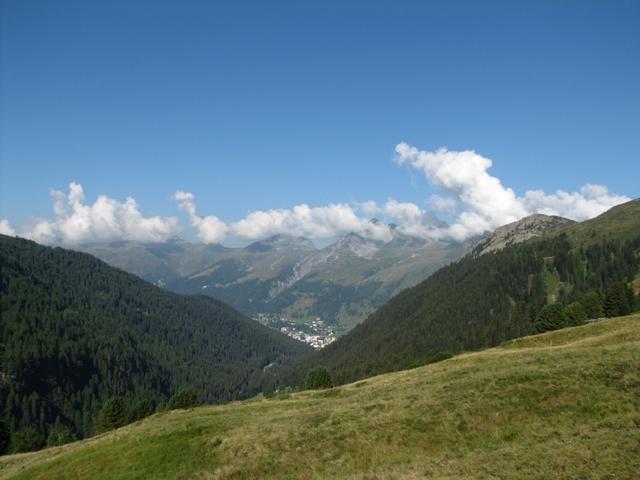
column 564, row 404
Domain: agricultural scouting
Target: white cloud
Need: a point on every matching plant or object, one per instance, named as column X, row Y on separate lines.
column 443, row 204
column 370, row 208
column 301, row 220
column 316, row 222
column 464, row 175
column 403, row 212
column 591, row 201
column 6, row 228
column 106, row 220
column 483, row 203
column 210, row 228
column 478, row 202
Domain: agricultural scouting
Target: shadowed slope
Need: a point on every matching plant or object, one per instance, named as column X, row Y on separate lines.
column 76, row 332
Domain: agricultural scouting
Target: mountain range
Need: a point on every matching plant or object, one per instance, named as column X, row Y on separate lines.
column 286, row 276
column 285, row 281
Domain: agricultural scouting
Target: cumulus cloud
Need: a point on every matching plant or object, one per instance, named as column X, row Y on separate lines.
column 465, row 191
column 406, row 217
column 483, row 203
column 478, row 201
column 106, row 220
column 589, row 202
column 403, row 212
column 6, row 228
column 210, row 228
column 369, row 207
column 301, row 220
column 443, row 204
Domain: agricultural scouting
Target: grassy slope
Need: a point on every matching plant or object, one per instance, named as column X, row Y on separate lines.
column 622, row 221
column 564, row 404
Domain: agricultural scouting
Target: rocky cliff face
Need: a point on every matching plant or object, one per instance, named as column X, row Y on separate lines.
column 529, row 227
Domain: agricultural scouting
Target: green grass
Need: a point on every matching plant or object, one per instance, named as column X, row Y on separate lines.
column 564, row 404
column 622, row 222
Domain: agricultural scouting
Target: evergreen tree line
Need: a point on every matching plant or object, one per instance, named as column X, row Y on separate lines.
column 75, row 333
column 617, row 300
column 115, row 413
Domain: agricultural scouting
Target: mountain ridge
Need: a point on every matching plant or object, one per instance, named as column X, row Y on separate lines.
column 526, row 228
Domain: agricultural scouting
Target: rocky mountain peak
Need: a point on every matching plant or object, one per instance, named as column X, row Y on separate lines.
column 522, row 230
column 281, row 241
column 355, row 244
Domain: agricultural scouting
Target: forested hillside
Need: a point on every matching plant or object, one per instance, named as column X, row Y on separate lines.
column 590, row 268
column 75, row 332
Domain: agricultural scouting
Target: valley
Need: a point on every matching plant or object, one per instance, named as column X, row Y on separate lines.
column 287, row 280
column 285, row 276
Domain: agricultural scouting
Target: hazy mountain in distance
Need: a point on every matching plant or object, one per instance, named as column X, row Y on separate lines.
column 285, row 275
column 350, row 278
column 158, row 263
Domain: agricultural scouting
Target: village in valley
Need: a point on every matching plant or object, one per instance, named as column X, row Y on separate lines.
column 316, row 333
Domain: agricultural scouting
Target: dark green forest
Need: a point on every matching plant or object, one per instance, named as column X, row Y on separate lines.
column 478, row 302
column 75, row 333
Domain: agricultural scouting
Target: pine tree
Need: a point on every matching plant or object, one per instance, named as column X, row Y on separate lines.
column 59, row 434
column 318, row 377
column 5, row 438
column 185, row 398
column 592, row 304
column 140, row 410
column 550, row 318
column 575, row 314
column 113, row 415
column 631, row 300
column 27, row 439
column 616, row 301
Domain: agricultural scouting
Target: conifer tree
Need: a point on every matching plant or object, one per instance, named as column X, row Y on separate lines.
column 575, row 314
column 592, row 304
column 59, row 434
column 318, row 377
column 551, row 317
column 113, row 415
column 185, row 398
column 26, row 439
column 616, row 301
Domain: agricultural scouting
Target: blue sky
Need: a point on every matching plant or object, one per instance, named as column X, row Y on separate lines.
column 267, row 105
